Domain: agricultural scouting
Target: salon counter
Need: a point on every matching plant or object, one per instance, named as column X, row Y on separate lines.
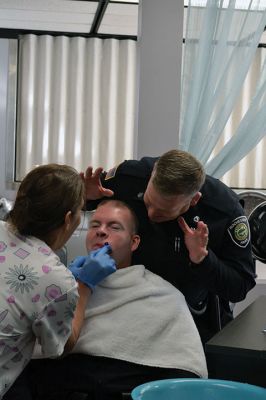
column 238, row 351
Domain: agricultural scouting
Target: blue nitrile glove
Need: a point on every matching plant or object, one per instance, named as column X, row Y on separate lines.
column 97, row 266
column 76, row 264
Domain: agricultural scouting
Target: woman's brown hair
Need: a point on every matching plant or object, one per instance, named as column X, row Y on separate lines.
column 43, row 199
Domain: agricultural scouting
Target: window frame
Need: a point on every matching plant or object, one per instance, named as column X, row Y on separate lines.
column 10, row 161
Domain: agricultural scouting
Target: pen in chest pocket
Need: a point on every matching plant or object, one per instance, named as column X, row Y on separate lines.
column 177, row 244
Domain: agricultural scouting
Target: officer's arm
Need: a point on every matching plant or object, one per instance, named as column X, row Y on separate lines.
column 232, row 277
column 124, row 182
column 231, row 274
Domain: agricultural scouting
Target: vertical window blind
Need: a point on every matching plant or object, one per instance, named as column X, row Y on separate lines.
column 76, row 105
column 76, row 101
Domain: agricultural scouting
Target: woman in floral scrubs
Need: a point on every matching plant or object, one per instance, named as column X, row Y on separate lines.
column 40, row 300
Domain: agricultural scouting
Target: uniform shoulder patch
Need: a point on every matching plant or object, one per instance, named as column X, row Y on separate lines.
column 239, row 231
column 111, row 173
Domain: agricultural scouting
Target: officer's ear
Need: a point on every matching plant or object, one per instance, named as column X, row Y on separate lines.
column 195, row 199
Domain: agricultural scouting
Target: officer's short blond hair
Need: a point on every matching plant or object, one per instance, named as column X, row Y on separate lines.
column 178, row 172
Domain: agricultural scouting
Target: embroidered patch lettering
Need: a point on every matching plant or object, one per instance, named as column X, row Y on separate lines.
column 239, row 231
column 111, row 173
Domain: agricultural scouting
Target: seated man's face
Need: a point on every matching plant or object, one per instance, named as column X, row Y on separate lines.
column 113, row 224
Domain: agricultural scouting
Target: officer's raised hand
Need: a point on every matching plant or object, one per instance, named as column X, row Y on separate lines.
column 196, row 240
column 93, row 186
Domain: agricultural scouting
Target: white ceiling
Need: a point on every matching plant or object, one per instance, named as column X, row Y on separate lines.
column 118, row 18
column 121, row 19
column 70, row 16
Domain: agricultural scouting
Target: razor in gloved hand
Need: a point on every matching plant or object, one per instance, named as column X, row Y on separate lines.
column 94, row 267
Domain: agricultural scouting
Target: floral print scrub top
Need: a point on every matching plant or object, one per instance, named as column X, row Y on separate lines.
column 38, row 297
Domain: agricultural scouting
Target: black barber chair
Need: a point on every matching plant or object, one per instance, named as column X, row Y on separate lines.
column 257, row 222
column 254, row 204
column 250, row 199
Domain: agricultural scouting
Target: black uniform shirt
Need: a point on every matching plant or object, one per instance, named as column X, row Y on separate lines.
column 227, row 271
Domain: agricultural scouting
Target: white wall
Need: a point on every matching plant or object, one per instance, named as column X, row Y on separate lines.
column 258, row 290
column 160, row 41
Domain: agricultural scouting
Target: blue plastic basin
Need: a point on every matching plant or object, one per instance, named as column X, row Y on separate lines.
column 197, row 389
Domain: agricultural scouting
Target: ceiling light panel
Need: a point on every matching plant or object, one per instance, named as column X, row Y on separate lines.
column 120, row 19
column 49, row 15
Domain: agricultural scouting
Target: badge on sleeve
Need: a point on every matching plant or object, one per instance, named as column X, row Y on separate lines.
column 111, row 173
column 239, row 231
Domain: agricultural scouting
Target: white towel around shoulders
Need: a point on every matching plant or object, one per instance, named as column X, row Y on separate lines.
column 136, row 316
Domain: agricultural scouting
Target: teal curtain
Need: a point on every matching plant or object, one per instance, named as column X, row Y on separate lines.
column 221, row 38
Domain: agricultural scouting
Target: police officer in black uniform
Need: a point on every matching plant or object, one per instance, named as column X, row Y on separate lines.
column 205, row 252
